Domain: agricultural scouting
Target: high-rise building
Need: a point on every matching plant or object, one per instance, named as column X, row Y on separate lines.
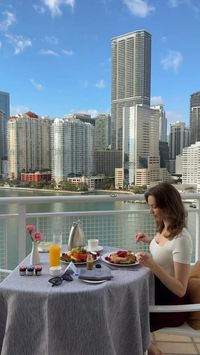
column 72, row 143
column 162, row 123
column 4, row 115
column 195, row 117
column 131, row 77
column 191, row 165
column 102, row 132
column 178, row 139
column 140, row 140
column 28, row 144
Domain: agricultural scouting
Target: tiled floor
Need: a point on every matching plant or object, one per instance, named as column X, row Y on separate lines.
column 177, row 345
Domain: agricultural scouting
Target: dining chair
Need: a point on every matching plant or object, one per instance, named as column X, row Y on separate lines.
column 184, row 329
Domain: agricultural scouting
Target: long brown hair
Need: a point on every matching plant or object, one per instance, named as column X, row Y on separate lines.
column 169, row 200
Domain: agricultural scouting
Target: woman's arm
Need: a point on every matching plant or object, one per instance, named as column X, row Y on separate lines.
column 141, row 237
column 176, row 284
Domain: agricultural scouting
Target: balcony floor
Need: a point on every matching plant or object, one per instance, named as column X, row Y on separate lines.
column 176, row 345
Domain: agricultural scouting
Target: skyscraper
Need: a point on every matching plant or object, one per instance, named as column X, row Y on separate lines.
column 28, row 144
column 4, row 115
column 131, row 77
column 195, row 117
column 72, row 148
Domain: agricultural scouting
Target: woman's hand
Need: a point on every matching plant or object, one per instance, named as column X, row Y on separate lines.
column 144, row 259
column 141, row 237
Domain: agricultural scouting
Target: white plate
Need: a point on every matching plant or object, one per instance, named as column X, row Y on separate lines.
column 99, row 248
column 103, row 257
column 93, row 281
column 78, row 263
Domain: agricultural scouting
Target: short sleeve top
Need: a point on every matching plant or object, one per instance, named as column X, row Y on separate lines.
column 178, row 249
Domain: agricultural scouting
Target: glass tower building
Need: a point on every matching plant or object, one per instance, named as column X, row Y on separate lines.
column 131, row 77
column 195, row 117
column 4, row 115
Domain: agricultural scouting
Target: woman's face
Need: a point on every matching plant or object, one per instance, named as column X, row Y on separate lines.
column 155, row 211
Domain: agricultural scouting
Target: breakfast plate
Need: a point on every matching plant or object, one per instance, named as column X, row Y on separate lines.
column 93, row 281
column 105, row 258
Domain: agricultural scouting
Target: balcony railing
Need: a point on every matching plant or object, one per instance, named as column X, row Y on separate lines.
column 113, row 219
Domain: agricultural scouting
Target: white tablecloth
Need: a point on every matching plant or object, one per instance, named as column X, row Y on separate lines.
column 75, row 318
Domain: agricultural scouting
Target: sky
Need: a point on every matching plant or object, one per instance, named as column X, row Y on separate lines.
column 55, row 55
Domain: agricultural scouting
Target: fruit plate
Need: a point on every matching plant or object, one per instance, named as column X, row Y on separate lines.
column 107, row 255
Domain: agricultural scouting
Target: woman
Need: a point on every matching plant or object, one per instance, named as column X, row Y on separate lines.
column 170, row 254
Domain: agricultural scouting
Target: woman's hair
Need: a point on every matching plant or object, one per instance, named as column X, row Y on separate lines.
column 169, row 200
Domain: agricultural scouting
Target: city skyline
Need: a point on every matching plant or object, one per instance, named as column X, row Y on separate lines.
column 55, row 56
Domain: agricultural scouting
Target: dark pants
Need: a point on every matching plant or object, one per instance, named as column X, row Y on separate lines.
column 163, row 296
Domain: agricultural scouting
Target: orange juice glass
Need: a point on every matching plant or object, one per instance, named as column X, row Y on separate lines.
column 54, row 255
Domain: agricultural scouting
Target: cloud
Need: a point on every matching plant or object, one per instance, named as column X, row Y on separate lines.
column 156, row 100
column 176, row 3
column 55, row 5
column 172, row 60
column 93, row 112
column 51, row 39
column 38, row 86
column 0, row 44
column 100, row 84
column 18, row 42
column 49, row 52
column 139, row 8
column 8, row 21
column 15, row 110
column 164, row 39
column 39, row 9
column 68, row 52
column 173, row 116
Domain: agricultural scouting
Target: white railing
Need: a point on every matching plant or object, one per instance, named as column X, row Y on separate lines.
column 114, row 227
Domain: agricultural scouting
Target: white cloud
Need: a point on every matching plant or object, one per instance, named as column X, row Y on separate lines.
column 174, row 3
column 15, row 110
column 164, row 39
column 156, row 100
column 68, row 52
column 100, row 84
column 10, row 19
column 139, row 8
column 191, row 3
column 93, row 112
column 38, row 86
column 49, row 52
column 39, row 9
column 51, row 39
column 172, row 60
column 173, row 116
column 55, row 5
column 18, row 42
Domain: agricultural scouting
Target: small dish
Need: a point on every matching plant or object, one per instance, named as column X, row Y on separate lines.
column 93, row 281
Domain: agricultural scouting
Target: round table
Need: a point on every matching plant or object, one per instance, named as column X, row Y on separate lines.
column 76, row 318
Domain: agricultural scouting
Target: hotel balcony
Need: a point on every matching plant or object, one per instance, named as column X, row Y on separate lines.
column 113, row 219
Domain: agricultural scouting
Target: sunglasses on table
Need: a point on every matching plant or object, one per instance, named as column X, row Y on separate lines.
column 57, row 280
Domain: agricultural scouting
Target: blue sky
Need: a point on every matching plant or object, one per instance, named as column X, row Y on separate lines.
column 55, row 55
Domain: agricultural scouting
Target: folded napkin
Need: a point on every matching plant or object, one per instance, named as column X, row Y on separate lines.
column 95, row 274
